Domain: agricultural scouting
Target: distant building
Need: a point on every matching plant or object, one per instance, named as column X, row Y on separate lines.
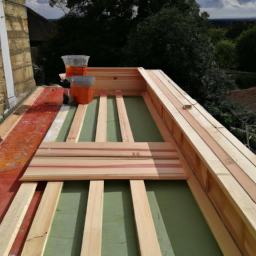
column 40, row 29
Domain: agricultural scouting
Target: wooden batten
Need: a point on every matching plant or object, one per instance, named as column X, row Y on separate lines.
column 236, row 209
column 146, row 232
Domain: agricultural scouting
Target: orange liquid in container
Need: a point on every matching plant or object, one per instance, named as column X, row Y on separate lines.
column 81, row 94
column 75, row 71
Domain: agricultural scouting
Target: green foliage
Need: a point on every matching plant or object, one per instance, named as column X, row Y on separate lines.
column 244, row 81
column 225, row 54
column 217, row 34
column 179, row 45
column 246, row 50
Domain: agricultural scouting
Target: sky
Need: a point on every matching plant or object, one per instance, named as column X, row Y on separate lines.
column 218, row 9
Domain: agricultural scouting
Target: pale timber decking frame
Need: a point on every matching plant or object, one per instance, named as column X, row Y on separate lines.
column 223, row 185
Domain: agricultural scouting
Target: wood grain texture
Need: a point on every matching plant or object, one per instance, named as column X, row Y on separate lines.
column 92, row 236
column 14, row 216
column 146, row 232
column 123, row 119
column 228, row 151
column 77, row 123
column 12, row 120
column 79, row 169
column 101, row 131
column 41, row 226
column 93, row 222
column 109, row 149
column 220, row 232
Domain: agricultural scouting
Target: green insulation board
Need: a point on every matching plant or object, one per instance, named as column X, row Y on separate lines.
column 88, row 130
column 66, row 234
column 113, row 127
column 119, row 231
column 142, row 124
column 178, row 218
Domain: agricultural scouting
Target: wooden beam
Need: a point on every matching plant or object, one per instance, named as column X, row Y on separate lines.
column 101, row 131
column 14, row 216
column 40, row 229
column 147, row 237
column 93, row 222
column 108, row 149
column 222, row 236
column 227, row 151
column 77, row 123
column 123, row 119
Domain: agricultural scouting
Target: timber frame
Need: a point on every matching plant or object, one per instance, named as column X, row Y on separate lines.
column 220, row 170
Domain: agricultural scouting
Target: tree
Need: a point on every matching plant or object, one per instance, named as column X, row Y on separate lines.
column 225, row 54
column 179, row 44
column 245, row 45
column 217, row 34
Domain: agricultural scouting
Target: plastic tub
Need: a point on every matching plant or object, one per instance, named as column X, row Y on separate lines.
column 75, row 65
column 82, row 89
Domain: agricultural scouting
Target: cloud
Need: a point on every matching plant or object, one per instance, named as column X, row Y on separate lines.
column 229, row 8
column 42, row 7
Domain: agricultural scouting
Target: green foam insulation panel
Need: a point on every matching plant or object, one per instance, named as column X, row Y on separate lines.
column 119, row 231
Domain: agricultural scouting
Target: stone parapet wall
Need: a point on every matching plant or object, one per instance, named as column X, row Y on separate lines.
column 18, row 37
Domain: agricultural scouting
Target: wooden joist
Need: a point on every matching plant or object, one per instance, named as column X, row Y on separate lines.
column 93, row 222
column 77, row 123
column 13, row 218
column 41, row 226
column 220, row 232
column 146, row 232
column 110, row 149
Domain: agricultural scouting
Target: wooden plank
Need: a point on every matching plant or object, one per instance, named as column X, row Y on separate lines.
column 109, row 149
column 144, row 222
column 97, row 92
column 12, row 120
column 14, row 216
column 40, row 229
column 57, row 124
column 93, row 223
column 244, row 163
column 203, row 163
column 116, row 169
column 101, row 131
column 222, row 236
column 77, row 123
column 123, row 119
column 92, row 236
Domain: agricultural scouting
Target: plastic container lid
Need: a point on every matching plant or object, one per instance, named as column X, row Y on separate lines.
column 85, row 81
column 75, row 60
